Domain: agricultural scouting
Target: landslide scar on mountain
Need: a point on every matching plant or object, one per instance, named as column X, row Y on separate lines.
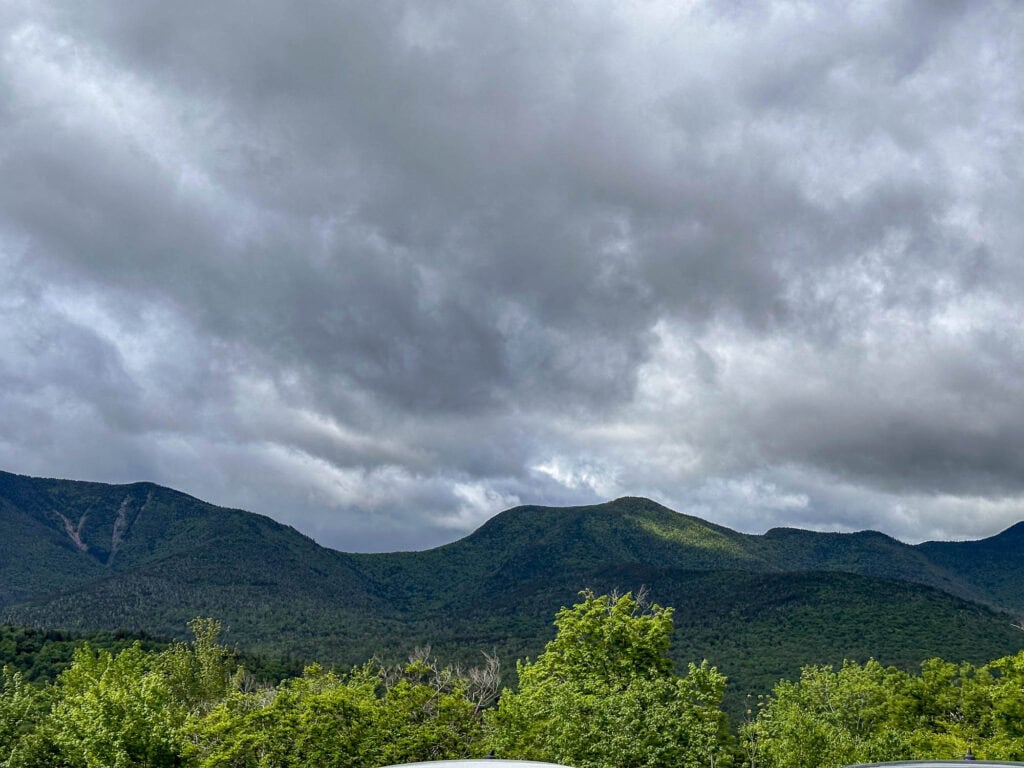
column 75, row 533
column 122, row 524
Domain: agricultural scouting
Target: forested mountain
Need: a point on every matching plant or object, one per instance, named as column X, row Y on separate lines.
column 87, row 556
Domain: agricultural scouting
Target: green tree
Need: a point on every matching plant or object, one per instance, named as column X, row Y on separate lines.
column 371, row 717
column 1003, row 731
column 603, row 694
column 949, row 709
column 22, row 707
column 109, row 712
column 199, row 673
column 423, row 711
column 313, row 720
column 830, row 719
column 868, row 713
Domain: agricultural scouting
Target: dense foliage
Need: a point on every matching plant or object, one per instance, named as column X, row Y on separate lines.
column 148, row 559
column 192, row 705
column 40, row 655
column 866, row 713
column 603, row 694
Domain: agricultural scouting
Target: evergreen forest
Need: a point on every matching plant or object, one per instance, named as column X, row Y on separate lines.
column 603, row 693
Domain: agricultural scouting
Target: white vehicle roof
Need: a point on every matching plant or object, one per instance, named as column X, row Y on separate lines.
column 484, row 762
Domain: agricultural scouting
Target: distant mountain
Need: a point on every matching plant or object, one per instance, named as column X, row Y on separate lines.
column 89, row 556
column 993, row 566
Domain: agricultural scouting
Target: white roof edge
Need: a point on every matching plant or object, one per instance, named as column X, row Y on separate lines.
column 474, row 762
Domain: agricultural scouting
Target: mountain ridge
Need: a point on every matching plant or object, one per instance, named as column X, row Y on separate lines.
column 110, row 524
column 155, row 558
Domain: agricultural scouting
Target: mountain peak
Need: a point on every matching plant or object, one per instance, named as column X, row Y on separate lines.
column 157, row 557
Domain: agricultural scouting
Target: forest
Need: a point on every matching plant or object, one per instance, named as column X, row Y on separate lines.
column 604, row 693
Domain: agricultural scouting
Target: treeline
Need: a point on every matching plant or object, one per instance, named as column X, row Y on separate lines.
column 603, row 694
column 40, row 655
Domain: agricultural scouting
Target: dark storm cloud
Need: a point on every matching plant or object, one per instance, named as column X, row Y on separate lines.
column 383, row 269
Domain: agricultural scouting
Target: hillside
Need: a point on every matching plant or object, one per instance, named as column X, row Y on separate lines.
column 993, row 566
column 88, row 556
column 141, row 557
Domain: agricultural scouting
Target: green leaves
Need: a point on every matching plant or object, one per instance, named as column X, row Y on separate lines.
column 312, row 720
column 22, row 706
column 109, row 711
column 603, row 694
column 370, row 717
column 198, row 673
column 868, row 713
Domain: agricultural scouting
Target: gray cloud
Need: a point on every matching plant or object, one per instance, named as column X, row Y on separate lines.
column 381, row 270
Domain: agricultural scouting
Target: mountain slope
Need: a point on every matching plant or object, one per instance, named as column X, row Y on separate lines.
column 993, row 566
column 142, row 557
column 868, row 553
column 90, row 556
column 774, row 623
column 534, row 544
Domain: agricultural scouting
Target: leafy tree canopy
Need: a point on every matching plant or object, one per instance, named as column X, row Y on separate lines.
column 867, row 713
column 603, row 694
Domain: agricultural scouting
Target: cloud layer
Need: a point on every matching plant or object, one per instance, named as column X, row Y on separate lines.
column 380, row 270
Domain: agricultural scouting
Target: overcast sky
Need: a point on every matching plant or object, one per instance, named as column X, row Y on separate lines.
column 382, row 269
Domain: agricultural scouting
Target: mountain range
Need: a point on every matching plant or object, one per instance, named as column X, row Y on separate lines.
column 90, row 556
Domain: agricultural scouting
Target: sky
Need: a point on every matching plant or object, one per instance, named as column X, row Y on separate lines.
column 381, row 270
